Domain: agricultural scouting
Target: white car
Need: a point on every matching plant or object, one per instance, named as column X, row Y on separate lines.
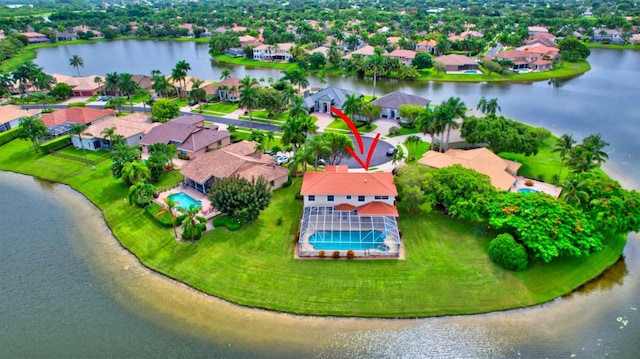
column 282, row 159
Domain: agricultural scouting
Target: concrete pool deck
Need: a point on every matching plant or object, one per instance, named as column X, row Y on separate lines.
column 207, row 210
column 537, row 186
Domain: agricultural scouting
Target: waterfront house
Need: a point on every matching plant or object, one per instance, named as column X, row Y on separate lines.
column 226, row 90
column 189, row 134
column 277, row 52
column 322, row 101
column 405, row 56
column 10, row 116
column 607, row 36
column 427, row 46
column 391, row 103
column 36, row 38
column 240, row 159
column 455, row 62
column 60, row 121
column 82, row 86
column 131, row 127
column 362, row 203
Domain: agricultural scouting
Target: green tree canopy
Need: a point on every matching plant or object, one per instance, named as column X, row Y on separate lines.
column 572, row 50
column 31, row 129
column 164, row 109
column 503, row 134
column 240, row 198
column 423, row 60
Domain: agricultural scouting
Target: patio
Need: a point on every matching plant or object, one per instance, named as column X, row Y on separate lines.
column 207, row 211
column 537, row 186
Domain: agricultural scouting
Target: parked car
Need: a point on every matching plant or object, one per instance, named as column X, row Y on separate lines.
column 392, row 151
column 282, row 159
column 321, row 162
column 193, row 102
column 103, row 98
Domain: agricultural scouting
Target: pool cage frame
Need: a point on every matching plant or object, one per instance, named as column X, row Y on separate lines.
column 316, row 219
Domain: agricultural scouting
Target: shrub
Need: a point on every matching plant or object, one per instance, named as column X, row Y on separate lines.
column 56, row 144
column 394, row 131
column 336, row 254
column 507, row 253
column 279, row 221
column 350, row 254
column 8, row 136
column 528, row 183
column 183, row 157
column 77, row 104
column 321, row 254
column 288, row 183
column 164, row 219
column 226, row 221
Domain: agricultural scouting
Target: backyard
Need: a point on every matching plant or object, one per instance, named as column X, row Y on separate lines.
column 255, row 266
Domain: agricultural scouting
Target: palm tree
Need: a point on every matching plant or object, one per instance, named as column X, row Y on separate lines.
column 482, row 105
column 6, row 82
column 298, row 158
column 564, row 144
column 268, row 138
column 141, row 193
column 225, row 74
column 77, row 62
column 374, row 62
column 99, row 81
column 179, row 73
column 447, row 113
column 352, row 105
column 108, row 134
column 298, row 109
column 41, row 97
column 43, row 82
column 412, row 142
column 25, row 74
column 32, row 128
column 171, row 209
column 574, row 191
column 594, row 144
column 493, row 107
column 427, row 124
column 192, row 221
column 111, row 83
column 142, row 93
column 127, row 87
column 135, row 171
column 198, row 93
column 293, row 133
column 116, row 102
column 248, row 97
column 161, row 86
column 297, row 77
column 315, row 146
column 78, row 130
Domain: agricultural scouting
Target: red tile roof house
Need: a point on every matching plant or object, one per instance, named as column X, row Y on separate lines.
column 341, row 206
column 524, row 60
column 456, row 62
column 226, row 90
column 427, row 46
column 405, row 56
column 241, row 159
column 36, row 37
column 82, row 86
column 10, row 116
column 132, row 127
column 189, row 133
column 59, row 122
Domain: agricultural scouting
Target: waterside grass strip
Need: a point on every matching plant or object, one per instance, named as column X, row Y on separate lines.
column 446, row 271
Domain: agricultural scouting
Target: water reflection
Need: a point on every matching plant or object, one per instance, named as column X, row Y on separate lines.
column 614, row 276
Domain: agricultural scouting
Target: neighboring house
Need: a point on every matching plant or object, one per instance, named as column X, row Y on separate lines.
column 391, row 103
column 525, row 60
column 132, row 127
column 85, row 28
column 189, row 134
column 367, row 50
column 337, row 200
column 454, row 62
column 542, row 51
column 82, row 86
column 607, row 36
column 543, row 39
column 534, row 30
column 472, row 34
column 143, row 81
column 321, row 49
column 322, row 101
column 635, row 38
column 277, row 52
column 227, row 90
column 36, row 37
column 234, row 52
column 240, row 159
column 10, row 116
column 405, row 56
column 501, row 172
column 427, row 46
column 66, row 36
column 59, row 122
column 248, row 40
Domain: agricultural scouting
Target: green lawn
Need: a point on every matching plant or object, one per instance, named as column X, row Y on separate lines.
column 341, row 126
column 222, row 107
column 101, row 155
column 543, row 166
column 446, row 271
column 254, row 63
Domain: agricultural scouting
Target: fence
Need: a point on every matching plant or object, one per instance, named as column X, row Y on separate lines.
column 79, row 159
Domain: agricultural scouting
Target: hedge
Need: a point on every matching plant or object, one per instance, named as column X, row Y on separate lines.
column 56, row 144
column 8, row 136
column 226, row 221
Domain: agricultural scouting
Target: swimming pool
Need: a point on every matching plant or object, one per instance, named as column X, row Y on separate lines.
column 527, row 190
column 184, row 200
column 472, row 72
column 345, row 240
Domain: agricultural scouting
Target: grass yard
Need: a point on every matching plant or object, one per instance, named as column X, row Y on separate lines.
column 543, row 166
column 222, row 107
column 254, row 63
column 341, row 126
column 101, row 155
column 446, row 271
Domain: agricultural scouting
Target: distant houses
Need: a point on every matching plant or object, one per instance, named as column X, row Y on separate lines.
column 323, row 100
column 391, row 103
column 457, row 63
column 10, row 116
column 277, row 52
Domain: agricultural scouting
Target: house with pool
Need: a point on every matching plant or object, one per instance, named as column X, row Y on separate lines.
column 349, row 211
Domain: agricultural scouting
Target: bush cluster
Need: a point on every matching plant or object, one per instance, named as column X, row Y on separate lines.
column 56, row 144
column 507, row 253
column 8, row 136
column 226, row 221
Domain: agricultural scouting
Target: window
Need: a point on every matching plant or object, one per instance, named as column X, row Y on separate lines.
column 219, row 142
column 312, row 198
column 360, row 198
column 348, row 197
column 330, row 198
column 381, row 197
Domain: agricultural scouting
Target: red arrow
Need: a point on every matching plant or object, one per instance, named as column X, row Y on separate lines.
column 356, row 133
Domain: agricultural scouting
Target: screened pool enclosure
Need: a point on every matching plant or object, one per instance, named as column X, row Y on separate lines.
column 329, row 229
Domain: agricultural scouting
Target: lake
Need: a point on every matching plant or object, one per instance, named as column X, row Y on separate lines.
column 69, row 290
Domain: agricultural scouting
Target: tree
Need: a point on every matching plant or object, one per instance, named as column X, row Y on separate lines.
column 193, row 225
column 410, row 113
column 127, row 87
column 352, row 106
column 108, row 134
column 338, row 144
column 572, row 50
column 371, row 112
column 427, row 124
column 135, row 171
column 141, row 194
column 161, row 86
column 315, row 147
column 507, row 253
column 492, row 66
column 6, row 83
column 488, row 107
column 564, row 144
column 374, row 62
column 61, row 91
column 503, row 135
column 297, row 108
column 225, row 74
column 447, row 113
column 142, row 94
column 111, row 83
column 412, row 143
column 413, row 182
column 240, row 198
column 99, row 81
column 170, row 208
column 121, row 155
column 422, row 61
column 317, row 60
column 439, row 66
column 179, row 74
column 77, row 62
column 32, row 128
column 198, row 93
column 297, row 77
column 25, row 74
column 588, row 155
column 164, row 109
column 248, row 96
column 78, row 130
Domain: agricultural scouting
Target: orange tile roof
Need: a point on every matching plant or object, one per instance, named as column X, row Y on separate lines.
column 83, row 115
column 409, row 54
column 377, row 209
column 344, row 207
column 338, row 182
column 12, row 112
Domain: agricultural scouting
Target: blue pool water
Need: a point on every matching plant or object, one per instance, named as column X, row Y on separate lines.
column 471, row 72
column 345, row 240
column 526, row 190
column 184, row 200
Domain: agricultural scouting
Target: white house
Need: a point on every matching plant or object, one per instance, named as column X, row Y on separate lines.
column 277, row 52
